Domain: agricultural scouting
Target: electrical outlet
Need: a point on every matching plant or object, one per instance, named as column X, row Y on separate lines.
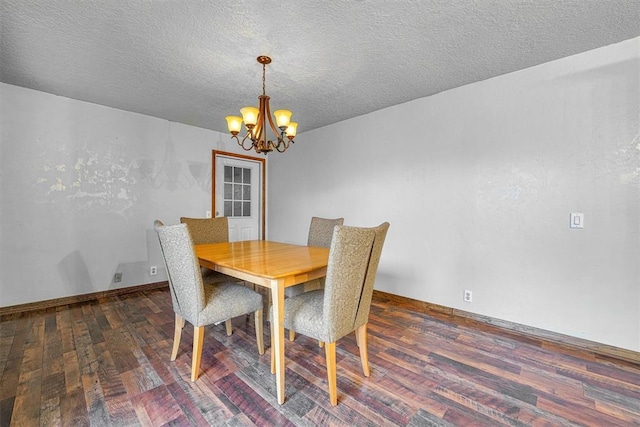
column 117, row 278
column 153, row 270
column 208, row 214
column 468, row 296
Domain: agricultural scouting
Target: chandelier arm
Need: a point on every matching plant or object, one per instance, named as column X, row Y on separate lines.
column 275, row 130
column 256, row 135
column 263, row 110
column 283, row 143
column 265, row 115
column 241, row 144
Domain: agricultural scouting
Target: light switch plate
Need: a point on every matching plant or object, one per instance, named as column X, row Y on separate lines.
column 576, row 220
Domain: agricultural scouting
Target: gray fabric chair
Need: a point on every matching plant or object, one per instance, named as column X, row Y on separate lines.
column 210, row 230
column 343, row 305
column 207, row 230
column 320, row 233
column 198, row 304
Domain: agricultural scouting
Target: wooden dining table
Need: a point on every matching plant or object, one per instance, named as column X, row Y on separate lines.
column 273, row 265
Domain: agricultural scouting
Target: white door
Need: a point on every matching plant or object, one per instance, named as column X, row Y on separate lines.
column 238, row 196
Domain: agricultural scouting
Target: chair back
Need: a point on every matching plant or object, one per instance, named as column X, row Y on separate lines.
column 207, row 230
column 321, row 231
column 183, row 270
column 364, row 305
column 351, row 249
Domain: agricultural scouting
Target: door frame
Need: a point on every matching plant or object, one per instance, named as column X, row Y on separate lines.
column 263, row 195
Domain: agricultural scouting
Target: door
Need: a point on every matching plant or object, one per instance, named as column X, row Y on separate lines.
column 239, row 194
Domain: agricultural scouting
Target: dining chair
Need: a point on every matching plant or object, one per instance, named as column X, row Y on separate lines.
column 320, row 233
column 198, row 304
column 343, row 305
column 207, row 230
column 210, row 230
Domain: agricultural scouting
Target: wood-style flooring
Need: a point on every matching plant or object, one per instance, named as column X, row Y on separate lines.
column 106, row 363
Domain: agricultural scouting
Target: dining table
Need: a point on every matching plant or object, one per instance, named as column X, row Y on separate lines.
column 273, row 265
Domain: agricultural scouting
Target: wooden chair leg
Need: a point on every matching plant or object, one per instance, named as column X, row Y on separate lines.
column 253, row 286
column 292, row 335
column 330, row 352
column 198, row 338
column 177, row 333
column 259, row 331
column 361, row 335
column 273, row 353
column 227, row 324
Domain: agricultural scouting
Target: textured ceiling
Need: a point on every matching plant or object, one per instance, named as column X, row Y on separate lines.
column 194, row 62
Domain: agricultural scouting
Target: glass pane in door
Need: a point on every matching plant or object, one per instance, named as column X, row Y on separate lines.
column 237, row 191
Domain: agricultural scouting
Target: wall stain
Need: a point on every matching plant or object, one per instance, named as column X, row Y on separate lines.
column 103, row 178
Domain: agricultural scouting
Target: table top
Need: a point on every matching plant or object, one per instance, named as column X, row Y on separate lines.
column 264, row 258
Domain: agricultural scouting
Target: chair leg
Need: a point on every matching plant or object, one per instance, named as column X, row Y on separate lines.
column 227, row 324
column 320, row 343
column 247, row 284
column 177, row 333
column 198, row 338
column 273, row 352
column 259, row 331
column 361, row 336
column 330, row 352
column 292, row 335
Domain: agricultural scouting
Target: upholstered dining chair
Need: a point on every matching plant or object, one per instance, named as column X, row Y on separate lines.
column 343, row 305
column 320, row 233
column 210, row 230
column 198, row 304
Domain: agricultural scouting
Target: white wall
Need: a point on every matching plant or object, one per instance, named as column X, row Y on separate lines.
column 478, row 184
column 81, row 185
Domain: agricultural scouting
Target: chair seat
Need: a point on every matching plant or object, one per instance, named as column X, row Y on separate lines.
column 303, row 314
column 309, row 286
column 210, row 277
column 228, row 300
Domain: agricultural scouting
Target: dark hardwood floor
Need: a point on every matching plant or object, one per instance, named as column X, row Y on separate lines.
column 106, row 362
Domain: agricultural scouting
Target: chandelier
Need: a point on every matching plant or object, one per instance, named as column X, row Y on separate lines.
column 255, row 122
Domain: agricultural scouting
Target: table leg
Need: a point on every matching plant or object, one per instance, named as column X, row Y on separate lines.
column 277, row 340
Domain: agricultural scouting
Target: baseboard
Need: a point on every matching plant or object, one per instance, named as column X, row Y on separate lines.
column 546, row 337
column 41, row 305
